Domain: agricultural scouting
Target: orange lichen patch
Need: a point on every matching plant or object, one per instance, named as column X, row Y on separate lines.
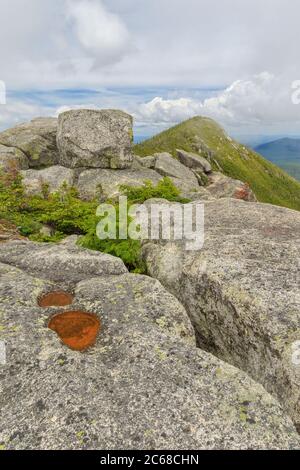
column 77, row 330
column 243, row 193
column 55, row 299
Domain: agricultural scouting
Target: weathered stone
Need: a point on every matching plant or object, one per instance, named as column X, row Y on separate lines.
column 166, row 165
column 95, row 139
column 205, row 151
column 60, row 262
column 36, row 139
column 242, row 290
column 147, row 162
column 143, row 385
column 136, row 163
column 12, row 158
column 223, row 186
column 53, row 177
column 185, row 185
column 200, row 195
column 192, row 160
column 106, row 183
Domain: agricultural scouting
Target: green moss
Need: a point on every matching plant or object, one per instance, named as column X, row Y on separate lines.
column 269, row 183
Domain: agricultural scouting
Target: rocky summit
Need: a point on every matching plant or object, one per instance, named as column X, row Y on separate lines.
column 189, row 350
column 77, row 147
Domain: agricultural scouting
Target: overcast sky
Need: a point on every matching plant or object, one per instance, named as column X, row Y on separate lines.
column 162, row 60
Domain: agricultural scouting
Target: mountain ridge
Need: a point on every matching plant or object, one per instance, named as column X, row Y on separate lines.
column 206, row 137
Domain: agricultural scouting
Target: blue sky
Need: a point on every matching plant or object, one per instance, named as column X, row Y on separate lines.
column 161, row 60
column 51, row 102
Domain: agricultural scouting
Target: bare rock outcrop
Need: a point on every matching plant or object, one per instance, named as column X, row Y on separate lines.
column 194, row 161
column 242, row 290
column 89, row 138
column 143, row 385
column 12, row 158
column 107, row 183
column 49, row 179
column 36, row 139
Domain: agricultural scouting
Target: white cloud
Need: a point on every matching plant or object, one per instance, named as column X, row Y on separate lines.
column 161, row 111
column 196, row 43
column 182, row 45
column 17, row 111
column 101, row 33
column 261, row 104
column 262, row 100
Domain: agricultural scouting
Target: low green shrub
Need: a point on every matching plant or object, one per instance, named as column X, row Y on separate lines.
column 165, row 189
column 66, row 214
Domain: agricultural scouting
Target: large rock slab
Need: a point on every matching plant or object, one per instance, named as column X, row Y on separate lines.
column 194, row 161
column 242, row 290
column 95, row 139
column 143, row 385
column 64, row 262
column 147, row 162
column 36, row 139
column 166, row 165
column 106, row 183
column 12, row 159
column 54, row 178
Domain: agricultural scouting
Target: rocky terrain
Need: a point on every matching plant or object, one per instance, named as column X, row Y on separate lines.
column 195, row 355
column 144, row 384
column 92, row 150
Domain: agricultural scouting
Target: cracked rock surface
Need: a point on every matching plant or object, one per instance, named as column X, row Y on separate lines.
column 35, row 139
column 143, row 385
column 242, row 290
column 95, row 139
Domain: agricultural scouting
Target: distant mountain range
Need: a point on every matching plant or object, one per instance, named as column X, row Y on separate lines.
column 285, row 153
